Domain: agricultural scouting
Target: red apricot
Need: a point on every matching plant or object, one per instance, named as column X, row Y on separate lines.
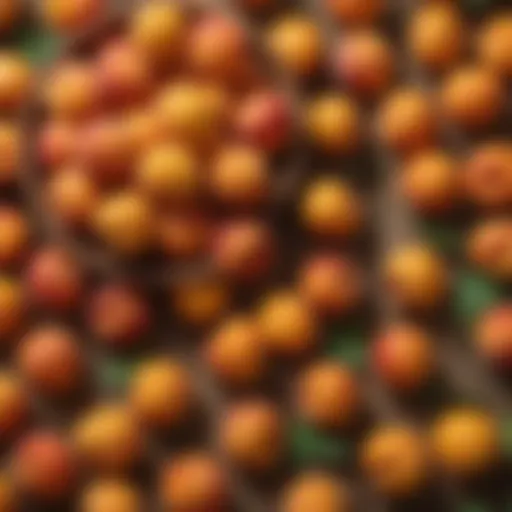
column 111, row 495
column 12, row 307
column 10, row 149
column 14, row 234
column 56, row 144
column 356, row 12
column 15, row 81
column 494, row 43
column 14, row 407
column 68, row 17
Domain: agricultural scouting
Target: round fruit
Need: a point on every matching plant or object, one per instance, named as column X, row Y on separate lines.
column 10, row 149
column 12, row 307
column 364, row 62
column 416, row 277
column 53, row 279
column 235, row 352
column 295, row 41
column 327, row 395
column 315, row 490
column 68, row 17
column 110, row 496
column 14, row 409
column 251, row 434
column 404, row 357
column 465, row 442
column 472, row 97
column 287, row 324
column 144, row 128
column 14, row 234
column 406, row 121
column 395, row 460
column 331, row 208
column 332, row 284
column 109, row 439
column 192, row 482
column 356, row 12
column 494, row 44
column 15, row 81
column 10, row 14
column 161, row 393
column 333, row 124
column 51, row 360
column 57, row 144
column 431, row 182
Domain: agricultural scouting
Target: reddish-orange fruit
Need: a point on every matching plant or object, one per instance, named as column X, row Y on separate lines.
column 403, row 356
column 466, row 442
column 111, row 495
column 495, row 44
column 488, row 175
column 489, row 246
column 364, row 62
column 493, row 336
column 10, row 14
column 12, row 306
column 436, row 36
column 431, row 181
column 331, row 208
column 14, row 234
column 263, row 119
column 118, row 315
column 10, row 149
column 395, row 460
column 44, row 466
column 144, row 129
column 244, row 250
column 251, row 434
column 57, row 144
column 316, row 490
column 327, row 395
column 51, row 360
column 406, row 121
column 356, row 12
column 54, row 280
column 287, row 323
column 68, row 17
column 161, row 393
column 472, row 97
column 331, row 283
column 193, row 481
column 240, row 176
column 14, row 408
column 235, row 352
column 15, row 81
column 8, row 494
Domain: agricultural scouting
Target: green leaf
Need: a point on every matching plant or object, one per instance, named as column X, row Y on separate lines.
column 115, row 373
column 444, row 236
column 39, row 45
column 347, row 344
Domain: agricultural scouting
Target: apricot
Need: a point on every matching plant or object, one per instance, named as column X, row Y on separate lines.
column 57, row 144
column 67, row 17
column 287, row 323
column 406, row 121
column 15, row 81
column 296, row 42
column 356, row 12
column 124, row 223
column 465, row 442
column 364, row 62
column 235, row 352
column 395, row 461
column 251, row 434
column 144, row 129
column 494, row 44
column 330, row 208
column 15, row 236
column 53, row 279
column 240, row 176
column 315, row 490
column 327, row 395
column 10, row 14
column 108, row 438
column 10, row 149
column 193, row 481
column 110, row 495
column 332, row 284
column 431, row 181
column 12, row 306
column 333, row 124
column 8, row 495
column 14, row 409
column 161, row 393
column 416, row 277
column 403, row 356
column 472, row 97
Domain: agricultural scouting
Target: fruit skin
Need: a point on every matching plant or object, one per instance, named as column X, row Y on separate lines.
column 327, row 395
column 110, row 495
column 15, row 81
column 395, row 461
column 118, row 315
column 10, row 14
column 67, row 17
column 406, row 121
column 416, row 277
column 10, row 149
column 244, row 250
column 436, row 36
column 465, row 442
column 403, row 356
column 330, row 208
column 161, row 393
column 54, row 280
column 489, row 247
column 472, row 97
column 56, row 144
column 356, row 12
column 488, row 175
column 235, row 352
column 14, row 409
column 251, row 434
column 431, row 182
column 295, row 41
column 50, row 359
column 494, row 44
column 493, row 336
column 331, row 283
column 193, row 482
column 287, row 323
column 15, row 236
column 315, row 490
column 364, row 62
column 12, row 307
column 44, row 466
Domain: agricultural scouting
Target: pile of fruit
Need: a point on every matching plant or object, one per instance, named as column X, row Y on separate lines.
column 303, row 360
